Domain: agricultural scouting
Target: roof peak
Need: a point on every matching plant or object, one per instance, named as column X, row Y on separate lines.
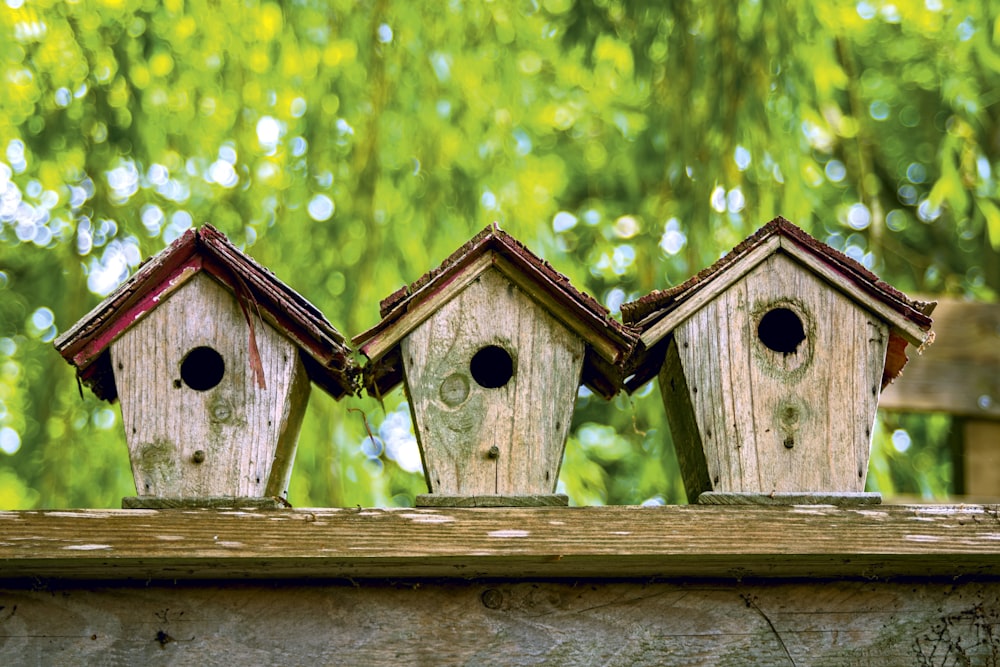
column 85, row 345
column 659, row 302
column 579, row 311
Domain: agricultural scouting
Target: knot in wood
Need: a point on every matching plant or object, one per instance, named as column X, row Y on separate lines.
column 492, row 598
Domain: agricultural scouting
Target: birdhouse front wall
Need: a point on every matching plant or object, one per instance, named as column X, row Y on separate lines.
column 196, row 420
column 492, row 380
column 773, row 386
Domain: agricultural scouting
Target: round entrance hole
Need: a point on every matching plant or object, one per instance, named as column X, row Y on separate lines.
column 781, row 330
column 492, row 367
column 202, row 368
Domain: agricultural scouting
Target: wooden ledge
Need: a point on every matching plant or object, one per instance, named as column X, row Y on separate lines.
column 544, row 542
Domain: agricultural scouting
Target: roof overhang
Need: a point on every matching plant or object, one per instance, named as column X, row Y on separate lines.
column 608, row 342
column 323, row 349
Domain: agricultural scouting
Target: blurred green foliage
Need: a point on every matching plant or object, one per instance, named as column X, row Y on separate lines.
column 350, row 146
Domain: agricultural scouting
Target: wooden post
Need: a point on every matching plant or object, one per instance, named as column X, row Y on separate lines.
column 960, row 374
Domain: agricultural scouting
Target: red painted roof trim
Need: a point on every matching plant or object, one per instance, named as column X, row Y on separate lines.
column 324, row 350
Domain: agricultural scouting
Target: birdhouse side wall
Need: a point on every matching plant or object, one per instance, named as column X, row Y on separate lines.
column 196, row 428
column 458, row 420
column 684, row 429
column 773, row 412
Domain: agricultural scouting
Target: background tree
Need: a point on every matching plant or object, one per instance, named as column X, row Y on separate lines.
column 351, row 146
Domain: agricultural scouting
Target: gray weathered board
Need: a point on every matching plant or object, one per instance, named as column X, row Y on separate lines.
column 244, row 434
column 505, row 623
column 526, row 420
column 749, row 419
column 960, row 374
column 693, row 585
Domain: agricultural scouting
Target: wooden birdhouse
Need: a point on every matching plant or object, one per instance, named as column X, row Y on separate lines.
column 770, row 365
column 211, row 357
column 493, row 346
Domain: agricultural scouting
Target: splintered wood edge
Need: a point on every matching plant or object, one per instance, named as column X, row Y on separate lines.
column 815, row 541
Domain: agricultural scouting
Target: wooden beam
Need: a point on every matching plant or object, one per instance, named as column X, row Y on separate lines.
column 981, row 458
column 617, row 542
column 945, row 622
column 960, row 372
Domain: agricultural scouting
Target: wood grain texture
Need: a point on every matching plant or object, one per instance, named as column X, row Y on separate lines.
column 670, row 541
column 458, row 421
column 247, row 434
column 981, row 458
column 839, row 499
column 536, row 500
column 771, row 421
column 910, row 330
column 841, row 623
column 718, row 285
column 204, row 502
column 960, row 372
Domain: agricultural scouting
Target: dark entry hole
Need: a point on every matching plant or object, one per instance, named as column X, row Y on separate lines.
column 492, row 367
column 781, row 330
column 202, row 368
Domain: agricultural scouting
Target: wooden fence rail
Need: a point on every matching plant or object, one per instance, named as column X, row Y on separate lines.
column 784, row 585
column 960, row 374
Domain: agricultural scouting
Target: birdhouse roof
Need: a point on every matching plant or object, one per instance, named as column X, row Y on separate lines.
column 658, row 313
column 326, row 356
column 608, row 342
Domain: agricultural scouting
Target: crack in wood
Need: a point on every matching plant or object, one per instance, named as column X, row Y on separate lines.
column 751, row 602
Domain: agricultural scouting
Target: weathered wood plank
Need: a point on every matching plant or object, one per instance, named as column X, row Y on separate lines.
column 670, row 541
column 220, row 438
column 981, row 458
column 536, row 500
column 204, row 502
column 960, row 372
column 506, row 623
column 495, row 429
column 769, row 419
column 840, row 499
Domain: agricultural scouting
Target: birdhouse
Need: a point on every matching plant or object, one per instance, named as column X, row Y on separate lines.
column 770, row 364
column 492, row 347
column 211, row 357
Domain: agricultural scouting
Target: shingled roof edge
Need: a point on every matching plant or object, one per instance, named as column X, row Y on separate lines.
column 396, row 304
column 647, row 310
column 584, row 308
column 210, row 250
